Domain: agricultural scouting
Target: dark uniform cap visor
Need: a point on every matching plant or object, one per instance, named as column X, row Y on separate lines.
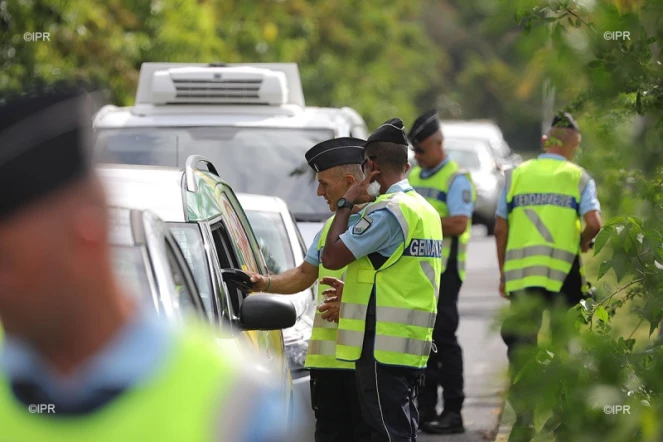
column 424, row 126
column 335, row 152
column 44, row 145
column 391, row 131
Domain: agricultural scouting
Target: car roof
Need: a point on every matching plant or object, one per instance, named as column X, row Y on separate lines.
column 474, row 129
column 158, row 189
column 253, row 202
column 239, row 116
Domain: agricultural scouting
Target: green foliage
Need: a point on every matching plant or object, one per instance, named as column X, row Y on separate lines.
column 351, row 53
column 616, row 90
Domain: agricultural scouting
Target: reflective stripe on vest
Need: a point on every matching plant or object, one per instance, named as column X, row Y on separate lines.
column 543, row 198
column 322, row 345
column 406, row 288
column 193, row 397
column 435, row 189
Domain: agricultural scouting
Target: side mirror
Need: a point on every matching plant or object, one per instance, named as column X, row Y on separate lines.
column 263, row 311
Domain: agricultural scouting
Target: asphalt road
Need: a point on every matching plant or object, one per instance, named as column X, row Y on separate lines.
column 484, row 352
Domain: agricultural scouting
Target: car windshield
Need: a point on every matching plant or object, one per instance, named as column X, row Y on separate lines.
column 467, row 152
column 263, row 161
column 273, row 239
column 129, row 266
column 190, row 240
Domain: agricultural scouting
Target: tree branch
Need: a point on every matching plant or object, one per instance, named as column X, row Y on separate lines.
column 635, row 281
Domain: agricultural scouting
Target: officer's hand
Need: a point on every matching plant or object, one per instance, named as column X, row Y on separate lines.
column 259, row 282
column 358, row 192
column 584, row 246
column 502, row 291
column 336, row 287
column 330, row 309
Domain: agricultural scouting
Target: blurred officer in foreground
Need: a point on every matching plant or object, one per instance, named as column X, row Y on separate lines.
column 394, row 264
column 81, row 361
column 539, row 240
column 449, row 190
column 337, row 163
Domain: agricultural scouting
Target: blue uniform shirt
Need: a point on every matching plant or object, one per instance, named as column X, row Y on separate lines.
column 313, row 255
column 134, row 356
column 384, row 234
column 459, row 186
column 588, row 200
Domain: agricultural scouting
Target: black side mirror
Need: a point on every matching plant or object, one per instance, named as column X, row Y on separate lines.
column 263, row 311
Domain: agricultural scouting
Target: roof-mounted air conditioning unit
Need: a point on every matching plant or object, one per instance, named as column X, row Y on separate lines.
column 258, row 84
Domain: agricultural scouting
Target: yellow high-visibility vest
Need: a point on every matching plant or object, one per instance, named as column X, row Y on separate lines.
column 543, row 200
column 406, row 288
column 435, row 189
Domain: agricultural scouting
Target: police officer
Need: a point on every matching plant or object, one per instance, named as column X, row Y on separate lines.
column 539, row 240
column 337, row 163
column 95, row 363
column 393, row 254
column 449, row 189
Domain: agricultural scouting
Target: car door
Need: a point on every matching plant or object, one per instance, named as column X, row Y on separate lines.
column 240, row 242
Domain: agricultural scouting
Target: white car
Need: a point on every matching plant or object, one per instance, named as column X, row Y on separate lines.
column 250, row 120
column 283, row 248
column 486, row 131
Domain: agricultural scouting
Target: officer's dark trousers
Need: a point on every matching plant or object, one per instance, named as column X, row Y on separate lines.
column 336, row 404
column 445, row 367
column 521, row 327
column 386, row 393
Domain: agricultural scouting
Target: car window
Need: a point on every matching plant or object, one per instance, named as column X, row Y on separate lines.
column 228, row 260
column 183, row 301
column 240, row 154
column 129, row 266
column 241, row 234
column 273, row 240
column 190, row 240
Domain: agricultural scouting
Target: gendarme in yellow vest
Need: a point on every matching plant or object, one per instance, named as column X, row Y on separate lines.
column 184, row 402
column 543, row 200
column 406, row 288
column 435, row 189
column 322, row 345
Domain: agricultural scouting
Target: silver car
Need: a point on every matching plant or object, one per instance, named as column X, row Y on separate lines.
column 488, row 177
column 283, row 248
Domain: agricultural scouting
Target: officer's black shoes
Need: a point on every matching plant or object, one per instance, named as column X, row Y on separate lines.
column 449, row 422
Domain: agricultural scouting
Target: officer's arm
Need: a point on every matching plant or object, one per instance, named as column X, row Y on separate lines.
column 294, row 280
column 501, row 228
column 460, row 201
column 590, row 209
column 335, row 254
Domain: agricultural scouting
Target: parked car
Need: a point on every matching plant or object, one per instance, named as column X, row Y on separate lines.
column 148, row 261
column 488, row 178
column 283, row 248
column 212, row 230
column 251, row 120
column 487, row 131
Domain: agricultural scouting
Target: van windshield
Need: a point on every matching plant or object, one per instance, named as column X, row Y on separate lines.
column 263, row 161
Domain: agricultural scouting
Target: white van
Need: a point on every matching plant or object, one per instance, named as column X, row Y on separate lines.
column 250, row 120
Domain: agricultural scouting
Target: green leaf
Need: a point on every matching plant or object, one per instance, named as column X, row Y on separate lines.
column 638, row 103
column 621, row 264
column 528, row 27
column 603, row 269
column 602, row 238
column 601, row 314
column 518, row 16
column 594, row 64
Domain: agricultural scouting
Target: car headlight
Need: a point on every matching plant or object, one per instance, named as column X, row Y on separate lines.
column 296, row 340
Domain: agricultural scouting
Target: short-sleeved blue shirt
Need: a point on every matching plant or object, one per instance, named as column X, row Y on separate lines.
column 313, row 254
column 384, row 233
column 460, row 185
column 588, row 200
